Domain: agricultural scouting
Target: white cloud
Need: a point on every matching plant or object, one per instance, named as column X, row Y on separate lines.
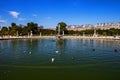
column 49, row 17
column 34, row 15
column 14, row 14
column 2, row 21
column 22, row 19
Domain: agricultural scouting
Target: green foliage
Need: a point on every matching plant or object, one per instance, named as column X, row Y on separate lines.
column 4, row 31
column 25, row 30
column 47, row 32
column 31, row 26
column 62, row 27
column 104, row 33
column 90, row 32
column 109, row 32
column 71, row 32
column 13, row 29
column 13, row 24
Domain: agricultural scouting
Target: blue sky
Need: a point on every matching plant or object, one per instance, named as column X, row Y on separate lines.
column 49, row 12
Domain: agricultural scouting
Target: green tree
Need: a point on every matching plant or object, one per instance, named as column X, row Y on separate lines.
column 4, row 31
column 13, row 24
column 13, row 29
column 25, row 30
column 47, row 32
column 104, row 33
column 71, row 32
column 62, row 27
column 31, row 26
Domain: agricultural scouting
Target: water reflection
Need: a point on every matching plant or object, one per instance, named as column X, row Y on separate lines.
column 32, row 43
column 32, row 50
column 60, row 49
column 22, row 48
column 31, row 55
column 61, row 44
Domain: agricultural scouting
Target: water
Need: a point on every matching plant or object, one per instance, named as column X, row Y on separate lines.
column 73, row 59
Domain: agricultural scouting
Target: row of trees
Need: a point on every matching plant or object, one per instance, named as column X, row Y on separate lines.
column 14, row 29
column 107, row 32
column 88, row 32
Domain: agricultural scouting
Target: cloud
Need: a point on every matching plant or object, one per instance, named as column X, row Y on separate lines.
column 49, row 17
column 14, row 14
column 34, row 15
column 2, row 21
column 22, row 19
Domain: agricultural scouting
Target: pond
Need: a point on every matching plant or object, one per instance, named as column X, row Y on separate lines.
column 29, row 59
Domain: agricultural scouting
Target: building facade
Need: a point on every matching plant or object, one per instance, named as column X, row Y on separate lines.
column 80, row 27
column 109, row 25
column 102, row 26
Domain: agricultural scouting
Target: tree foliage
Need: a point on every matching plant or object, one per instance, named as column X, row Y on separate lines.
column 13, row 29
column 4, row 31
column 48, row 32
column 63, row 26
column 31, row 26
column 25, row 30
column 90, row 32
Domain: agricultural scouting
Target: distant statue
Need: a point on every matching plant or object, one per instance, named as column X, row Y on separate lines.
column 94, row 35
column 31, row 33
column 58, row 29
column 40, row 33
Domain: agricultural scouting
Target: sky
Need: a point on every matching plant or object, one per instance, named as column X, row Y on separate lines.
column 50, row 12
